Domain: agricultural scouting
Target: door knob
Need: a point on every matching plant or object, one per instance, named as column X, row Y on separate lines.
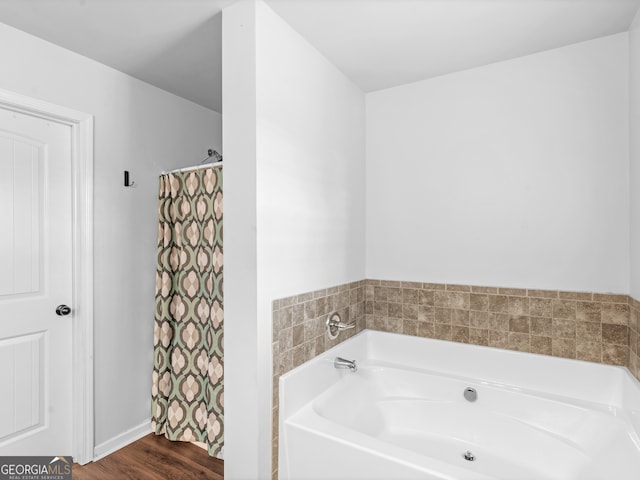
column 62, row 310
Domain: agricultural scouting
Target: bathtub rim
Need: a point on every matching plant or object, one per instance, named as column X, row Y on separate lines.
column 300, row 386
column 622, row 387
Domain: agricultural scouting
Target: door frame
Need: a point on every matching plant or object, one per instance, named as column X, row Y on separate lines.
column 81, row 125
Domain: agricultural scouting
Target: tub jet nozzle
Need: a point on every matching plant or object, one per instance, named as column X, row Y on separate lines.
column 468, row 456
column 470, row 394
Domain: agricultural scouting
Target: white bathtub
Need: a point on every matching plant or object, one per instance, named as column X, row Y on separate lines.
column 403, row 415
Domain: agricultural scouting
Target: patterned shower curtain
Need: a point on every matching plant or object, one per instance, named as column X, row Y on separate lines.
column 187, row 392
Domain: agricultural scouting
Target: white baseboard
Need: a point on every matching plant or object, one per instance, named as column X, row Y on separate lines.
column 122, row 440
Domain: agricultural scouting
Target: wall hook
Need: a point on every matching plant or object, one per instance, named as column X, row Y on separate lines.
column 127, row 183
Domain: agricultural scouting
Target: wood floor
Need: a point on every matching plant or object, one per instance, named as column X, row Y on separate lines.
column 153, row 458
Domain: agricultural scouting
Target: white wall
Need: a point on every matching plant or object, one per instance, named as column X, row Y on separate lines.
column 311, row 142
column 634, row 154
column 310, row 182
column 303, row 226
column 242, row 397
column 137, row 128
column 512, row 174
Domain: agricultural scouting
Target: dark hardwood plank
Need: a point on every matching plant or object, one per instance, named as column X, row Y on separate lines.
column 153, row 457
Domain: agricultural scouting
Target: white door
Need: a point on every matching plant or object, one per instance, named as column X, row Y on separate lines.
column 35, row 278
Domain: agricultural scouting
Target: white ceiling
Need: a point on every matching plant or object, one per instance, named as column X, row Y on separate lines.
column 173, row 44
column 384, row 43
column 176, row 44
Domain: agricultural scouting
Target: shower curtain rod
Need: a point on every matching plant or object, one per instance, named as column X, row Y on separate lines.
column 210, row 153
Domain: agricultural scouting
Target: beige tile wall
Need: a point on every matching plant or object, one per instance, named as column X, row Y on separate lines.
column 586, row 326
column 299, row 334
column 634, row 338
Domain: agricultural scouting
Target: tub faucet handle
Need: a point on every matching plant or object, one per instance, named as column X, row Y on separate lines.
column 335, row 326
column 340, row 362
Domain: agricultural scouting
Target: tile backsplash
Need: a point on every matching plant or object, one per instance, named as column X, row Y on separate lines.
column 595, row 327
column 583, row 326
column 299, row 334
column 634, row 338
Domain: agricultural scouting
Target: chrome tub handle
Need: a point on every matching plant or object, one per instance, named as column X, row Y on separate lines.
column 334, row 325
